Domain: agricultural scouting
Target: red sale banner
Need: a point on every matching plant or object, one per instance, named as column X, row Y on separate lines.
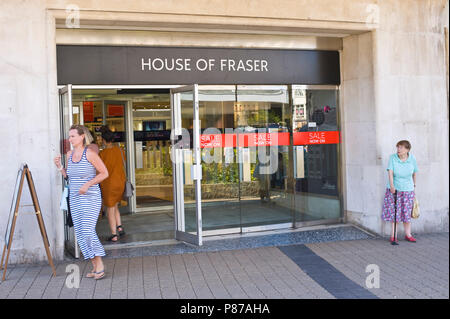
column 268, row 139
column 211, row 140
column 312, row 138
column 263, row 139
column 115, row 110
column 88, row 111
column 245, row 140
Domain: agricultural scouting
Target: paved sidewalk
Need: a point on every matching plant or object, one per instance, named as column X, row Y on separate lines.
column 325, row 270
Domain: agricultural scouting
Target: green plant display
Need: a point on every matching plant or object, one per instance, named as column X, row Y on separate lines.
column 167, row 165
column 223, row 173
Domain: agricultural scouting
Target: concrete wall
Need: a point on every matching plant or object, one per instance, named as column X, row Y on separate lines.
column 324, row 15
column 29, row 125
column 326, row 10
column 393, row 88
column 362, row 184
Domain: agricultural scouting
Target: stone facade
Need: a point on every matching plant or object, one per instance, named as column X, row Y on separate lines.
column 394, row 88
column 394, row 72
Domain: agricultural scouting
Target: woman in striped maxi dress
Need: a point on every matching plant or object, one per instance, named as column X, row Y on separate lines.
column 84, row 196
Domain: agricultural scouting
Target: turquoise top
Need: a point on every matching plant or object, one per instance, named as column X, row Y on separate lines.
column 403, row 172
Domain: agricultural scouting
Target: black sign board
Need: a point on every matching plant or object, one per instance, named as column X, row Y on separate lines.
column 134, row 65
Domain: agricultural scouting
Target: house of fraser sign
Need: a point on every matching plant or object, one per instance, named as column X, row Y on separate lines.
column 203, row 64
column 106, row 65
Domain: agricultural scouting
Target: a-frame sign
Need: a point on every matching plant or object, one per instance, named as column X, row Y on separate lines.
column 24, row 171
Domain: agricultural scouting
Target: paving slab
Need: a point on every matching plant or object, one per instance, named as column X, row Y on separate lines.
column 345, row 263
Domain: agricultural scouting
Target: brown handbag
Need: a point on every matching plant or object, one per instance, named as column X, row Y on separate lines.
column 415, row 211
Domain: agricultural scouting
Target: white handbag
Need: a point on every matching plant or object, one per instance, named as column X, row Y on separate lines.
column 63, row 202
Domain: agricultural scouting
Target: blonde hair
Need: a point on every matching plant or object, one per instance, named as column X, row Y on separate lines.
column 82, row 130
column 88, row 135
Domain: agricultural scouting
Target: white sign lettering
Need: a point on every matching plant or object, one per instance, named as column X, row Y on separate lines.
column 165, row 64
column 204, row 64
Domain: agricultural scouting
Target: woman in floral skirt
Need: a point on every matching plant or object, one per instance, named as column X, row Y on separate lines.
column 402, row 171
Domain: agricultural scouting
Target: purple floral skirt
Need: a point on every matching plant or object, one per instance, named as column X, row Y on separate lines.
column 405, row 204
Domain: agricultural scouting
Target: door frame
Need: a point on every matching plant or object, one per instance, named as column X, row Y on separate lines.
column 69, row 232
column 177, row 164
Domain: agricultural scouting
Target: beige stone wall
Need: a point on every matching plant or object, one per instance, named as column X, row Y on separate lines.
column 332, row 17
column 324, row 10
column 396, row 89
column 362, row 187
column 29, row 125
column 190, row 39
column 411, row 85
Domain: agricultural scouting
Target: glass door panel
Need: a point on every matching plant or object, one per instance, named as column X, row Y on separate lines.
column 186, row 164
column 316, row 147
column 220, row 176
column 264, row 118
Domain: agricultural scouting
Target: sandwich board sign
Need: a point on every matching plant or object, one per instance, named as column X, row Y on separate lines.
column 24, row 172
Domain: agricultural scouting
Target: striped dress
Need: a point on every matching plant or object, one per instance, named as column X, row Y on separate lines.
column 85, row 208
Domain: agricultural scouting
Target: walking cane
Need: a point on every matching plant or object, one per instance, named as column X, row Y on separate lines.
column 394, row 242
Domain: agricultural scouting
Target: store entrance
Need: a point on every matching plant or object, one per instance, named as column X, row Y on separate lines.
column 141, row 121
column 210, row 160
column 152, row 166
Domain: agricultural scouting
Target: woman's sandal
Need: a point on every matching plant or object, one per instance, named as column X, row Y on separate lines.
column 121, row 232
column 90, row 274
column 99, row 275
column 112, row 237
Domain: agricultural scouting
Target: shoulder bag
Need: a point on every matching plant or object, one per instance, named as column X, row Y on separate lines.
column 415, row 211
column 65, row 194
column 64, row 203
column 129, row 188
